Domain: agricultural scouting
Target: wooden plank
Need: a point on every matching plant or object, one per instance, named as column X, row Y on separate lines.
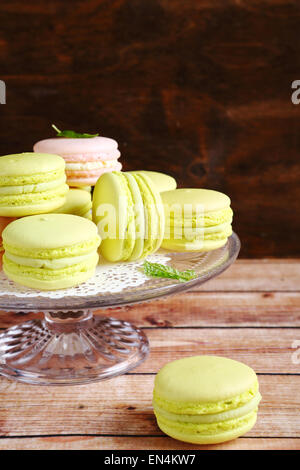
column 266, row 350
column 216, row 309
column 227, row 306
column 257, row 275
column 122, row 406
column 141, row 443
column 201, row 309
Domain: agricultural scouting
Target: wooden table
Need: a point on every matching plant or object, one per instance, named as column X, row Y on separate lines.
column 250, row 313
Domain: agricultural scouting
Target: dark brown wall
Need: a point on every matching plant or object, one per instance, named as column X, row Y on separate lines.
column 197, row 88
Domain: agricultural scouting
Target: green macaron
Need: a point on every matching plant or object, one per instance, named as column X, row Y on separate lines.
column 162, row 181
column 196, row 219
column 128, row 211
column 206, row 399
column 50, row 251
column 78, row 202
column 31, row 183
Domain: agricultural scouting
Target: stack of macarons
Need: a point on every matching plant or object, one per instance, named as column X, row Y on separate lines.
column 141, row 216
column 128, row 212
column 32, row 184
column 196, row 219
column 206, row 399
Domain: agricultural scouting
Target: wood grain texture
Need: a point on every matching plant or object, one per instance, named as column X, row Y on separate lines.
column 253, row 318
column 86, row 409
column 249, row 293
column 199, row 89
column 201, row 309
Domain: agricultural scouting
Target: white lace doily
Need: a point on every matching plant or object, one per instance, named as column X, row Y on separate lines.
column 108, row 278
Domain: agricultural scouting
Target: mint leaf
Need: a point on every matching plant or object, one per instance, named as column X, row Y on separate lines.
column 160, row 270
column 72, row 134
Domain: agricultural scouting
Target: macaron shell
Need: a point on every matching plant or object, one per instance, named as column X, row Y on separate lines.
column 207, row 199
column 196, row 438
column 162, row 181
column 4, row 221
column 204, row 379
column 49, row 231
column 64, row 283
column 199, row 245
column 27, row 164
column 71, row 146
column 78, row 202
column 103, row 156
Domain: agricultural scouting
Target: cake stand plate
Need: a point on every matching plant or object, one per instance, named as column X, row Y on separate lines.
column 70, row 346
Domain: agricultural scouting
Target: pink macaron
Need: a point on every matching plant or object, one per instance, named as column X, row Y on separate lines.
column 86, row 158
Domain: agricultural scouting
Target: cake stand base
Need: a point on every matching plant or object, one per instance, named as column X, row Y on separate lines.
column 70, row 348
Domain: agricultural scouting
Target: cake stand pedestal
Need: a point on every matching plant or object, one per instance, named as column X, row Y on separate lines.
column 70, row 346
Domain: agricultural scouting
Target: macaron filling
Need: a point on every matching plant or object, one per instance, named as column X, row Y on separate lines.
column 34, row 178
column 208, row 418
column 154, row 217
column 55, row 263
column 209, row 429
column 207, row 219
column 33, row 198
column 33, row 188
column 44, row 273
column 60, row 252
column 208, row 407
column 94, row 165
column 127, row 232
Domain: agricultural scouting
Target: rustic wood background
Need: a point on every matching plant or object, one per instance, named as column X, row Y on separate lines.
column 200, row 89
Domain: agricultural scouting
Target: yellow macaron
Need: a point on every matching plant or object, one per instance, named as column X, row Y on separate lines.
column 196, row 219
column 31, row 183
column 78, row 202
column 50, row 251
column 206, row 399
column 128, row 211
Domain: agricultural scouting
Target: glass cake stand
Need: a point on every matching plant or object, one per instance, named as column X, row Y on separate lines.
column 70, row 346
